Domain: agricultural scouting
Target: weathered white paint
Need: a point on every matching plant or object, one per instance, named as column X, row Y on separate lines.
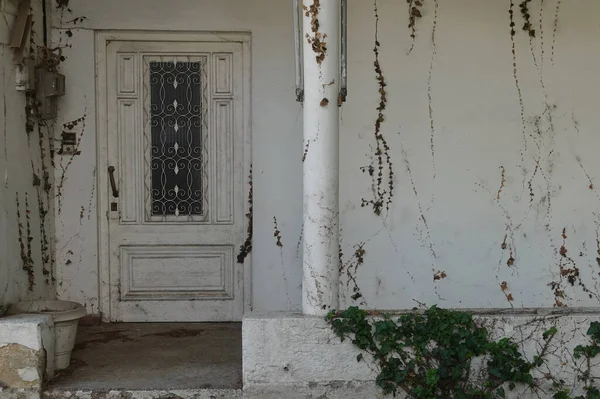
column 321, row 60
column 300, row 356
column 33, row 331
column 28, row 330
column 477, row 128
column 21, row 158
column 173, row 268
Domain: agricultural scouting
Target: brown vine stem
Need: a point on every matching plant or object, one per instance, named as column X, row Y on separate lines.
column 542, row 39
column 539, row 66
column 382, row 101
column 433, row 54
column 556, row 12
column 383, row 197
column 511, row 13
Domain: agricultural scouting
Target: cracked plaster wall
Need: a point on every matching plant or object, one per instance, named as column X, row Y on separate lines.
column 25, row 252
column 490, row 165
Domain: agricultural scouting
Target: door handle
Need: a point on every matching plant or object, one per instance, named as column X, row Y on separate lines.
column 113, row 185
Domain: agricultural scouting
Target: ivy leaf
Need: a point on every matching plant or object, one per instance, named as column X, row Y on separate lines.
column 500, row 392
column 592, row 393
column 561, row 395
column 359, row 357
column 550, row 332
column 594, row 330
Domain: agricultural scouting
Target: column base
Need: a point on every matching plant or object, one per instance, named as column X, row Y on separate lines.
column 290, row 355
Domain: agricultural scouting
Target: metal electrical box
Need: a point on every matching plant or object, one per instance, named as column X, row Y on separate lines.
column 49, row 86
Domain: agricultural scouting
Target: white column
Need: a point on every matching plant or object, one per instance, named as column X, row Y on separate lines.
column 320, row 278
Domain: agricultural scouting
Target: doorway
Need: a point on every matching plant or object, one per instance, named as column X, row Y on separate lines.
column 172, row 160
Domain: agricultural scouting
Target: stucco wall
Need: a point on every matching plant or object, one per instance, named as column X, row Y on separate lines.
column 26, row 219
column 479, row 157
column 490, row 163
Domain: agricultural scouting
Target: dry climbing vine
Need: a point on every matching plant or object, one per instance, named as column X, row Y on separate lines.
column 568, row 271
column 414, row 12
column 246, row 247
column 383, row 196
column 527, row 27
column 350, row 268
column 25, row 239
column 317, row 41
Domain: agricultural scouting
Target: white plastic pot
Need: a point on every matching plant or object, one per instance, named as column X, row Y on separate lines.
column 66, row 316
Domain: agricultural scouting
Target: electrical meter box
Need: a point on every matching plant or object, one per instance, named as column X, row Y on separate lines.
column 49, row 86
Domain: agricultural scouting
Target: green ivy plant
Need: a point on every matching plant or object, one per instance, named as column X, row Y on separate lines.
column 587, row 352
column 432, row 355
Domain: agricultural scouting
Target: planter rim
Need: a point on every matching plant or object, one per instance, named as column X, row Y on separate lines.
column 77, row 311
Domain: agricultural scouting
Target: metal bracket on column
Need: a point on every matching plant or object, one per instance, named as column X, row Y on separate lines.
column 344, row 54
column 298, row 50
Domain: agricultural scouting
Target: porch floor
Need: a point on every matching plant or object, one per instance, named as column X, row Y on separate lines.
column 154, row 356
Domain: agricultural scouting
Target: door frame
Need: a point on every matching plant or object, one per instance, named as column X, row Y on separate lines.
column 103, row 37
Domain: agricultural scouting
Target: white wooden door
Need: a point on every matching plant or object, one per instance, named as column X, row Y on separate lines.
column 175, row 149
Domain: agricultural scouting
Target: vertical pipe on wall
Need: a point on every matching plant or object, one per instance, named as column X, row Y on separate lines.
column 344, row 54
column 45, row 22
column 321, row 64
column 298, row 51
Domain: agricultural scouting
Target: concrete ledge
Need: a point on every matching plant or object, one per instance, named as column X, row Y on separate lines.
column 294, row 356
column 26, row 353
column 149, row 394
column 316, row 390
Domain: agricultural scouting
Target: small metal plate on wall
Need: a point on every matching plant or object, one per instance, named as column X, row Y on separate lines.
column 68, row 144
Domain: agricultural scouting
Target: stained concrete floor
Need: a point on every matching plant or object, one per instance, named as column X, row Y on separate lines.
column 154, row 356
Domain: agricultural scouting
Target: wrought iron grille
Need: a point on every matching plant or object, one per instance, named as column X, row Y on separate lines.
column 175, row 117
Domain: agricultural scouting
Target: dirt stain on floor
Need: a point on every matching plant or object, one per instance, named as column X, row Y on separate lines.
column 155, row 356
